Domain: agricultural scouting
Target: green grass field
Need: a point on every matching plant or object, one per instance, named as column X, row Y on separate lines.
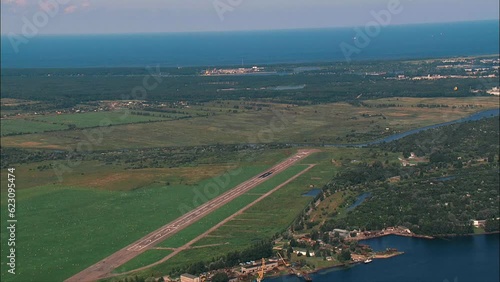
column 214, row 218
column 217, row 216
column 146, row 258
column 39, row 124
column 269, row 216
column 83, row 120
column 10, row 126
column 326, row 123
column 62, row 230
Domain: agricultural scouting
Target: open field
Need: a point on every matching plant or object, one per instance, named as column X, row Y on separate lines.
column 72, row 223
column 325, row 123
column 487, row 102
column 190, row 215
column 83, row 120
column 201, row 226
column 96, row 175
column 37, row 123
column 146, row 258
column 10, row 126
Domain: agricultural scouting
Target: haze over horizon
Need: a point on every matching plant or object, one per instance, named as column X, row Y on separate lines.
column 159, row 16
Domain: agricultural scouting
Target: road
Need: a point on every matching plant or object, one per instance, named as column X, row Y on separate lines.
column 104, row 267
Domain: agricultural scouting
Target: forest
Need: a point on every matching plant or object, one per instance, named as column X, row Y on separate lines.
column 442, row 196
column 66, row 88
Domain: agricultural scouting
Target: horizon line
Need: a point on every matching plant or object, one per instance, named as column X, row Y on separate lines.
column 251, row 30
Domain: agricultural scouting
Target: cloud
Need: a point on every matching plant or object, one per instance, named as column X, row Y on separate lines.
column 20, row 3
column 85, row 4
column 46, row 6
column 70, row 9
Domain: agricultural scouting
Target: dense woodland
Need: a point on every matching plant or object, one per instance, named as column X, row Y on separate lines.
column 66, row 88
column 459, row 183
column 430, row 207
column 446, row 144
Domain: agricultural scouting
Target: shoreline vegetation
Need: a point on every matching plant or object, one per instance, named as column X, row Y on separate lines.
column 359, row 259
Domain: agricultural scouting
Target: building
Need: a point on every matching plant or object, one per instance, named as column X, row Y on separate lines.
column 255, row 267
column 303, row 252
column 186, row 277
column 478, row 223
column 342, row 232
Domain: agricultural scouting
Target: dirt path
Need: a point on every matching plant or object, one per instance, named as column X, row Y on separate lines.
column 105, row 267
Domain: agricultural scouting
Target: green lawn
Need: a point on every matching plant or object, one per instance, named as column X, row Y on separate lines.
column 479, row 230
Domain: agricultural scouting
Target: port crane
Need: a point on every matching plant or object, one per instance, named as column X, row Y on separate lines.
column 261, row 272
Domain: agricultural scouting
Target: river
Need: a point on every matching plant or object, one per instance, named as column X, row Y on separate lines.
column 473, row 117
column 460, row 259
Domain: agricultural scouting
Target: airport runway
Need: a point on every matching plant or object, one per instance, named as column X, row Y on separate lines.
column 104, row 267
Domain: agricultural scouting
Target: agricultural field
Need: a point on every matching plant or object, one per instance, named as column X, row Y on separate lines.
column 84, row 120
column 37, row 123
column 18, row 126
column 325, row 123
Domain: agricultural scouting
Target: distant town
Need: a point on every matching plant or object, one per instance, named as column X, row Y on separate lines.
column 238, row 71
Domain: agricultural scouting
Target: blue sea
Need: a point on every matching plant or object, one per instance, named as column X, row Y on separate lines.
column 252, row 47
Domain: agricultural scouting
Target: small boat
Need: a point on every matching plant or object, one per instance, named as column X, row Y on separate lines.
column 368, row 261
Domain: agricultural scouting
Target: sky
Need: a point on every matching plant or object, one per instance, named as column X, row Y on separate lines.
column 143, row 16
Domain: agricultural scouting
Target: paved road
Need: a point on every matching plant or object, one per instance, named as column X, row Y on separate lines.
column 104, row 267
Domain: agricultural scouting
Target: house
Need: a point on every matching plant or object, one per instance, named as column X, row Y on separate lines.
column 307, row 241
column 342, row 232
column 186, row 277
column 478, row 223
column 303, row 252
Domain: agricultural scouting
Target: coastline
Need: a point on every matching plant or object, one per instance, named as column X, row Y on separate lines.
column 303, row 272
column 383, row 233
column 343, row 270
column 283, row 271
column 398, row 231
